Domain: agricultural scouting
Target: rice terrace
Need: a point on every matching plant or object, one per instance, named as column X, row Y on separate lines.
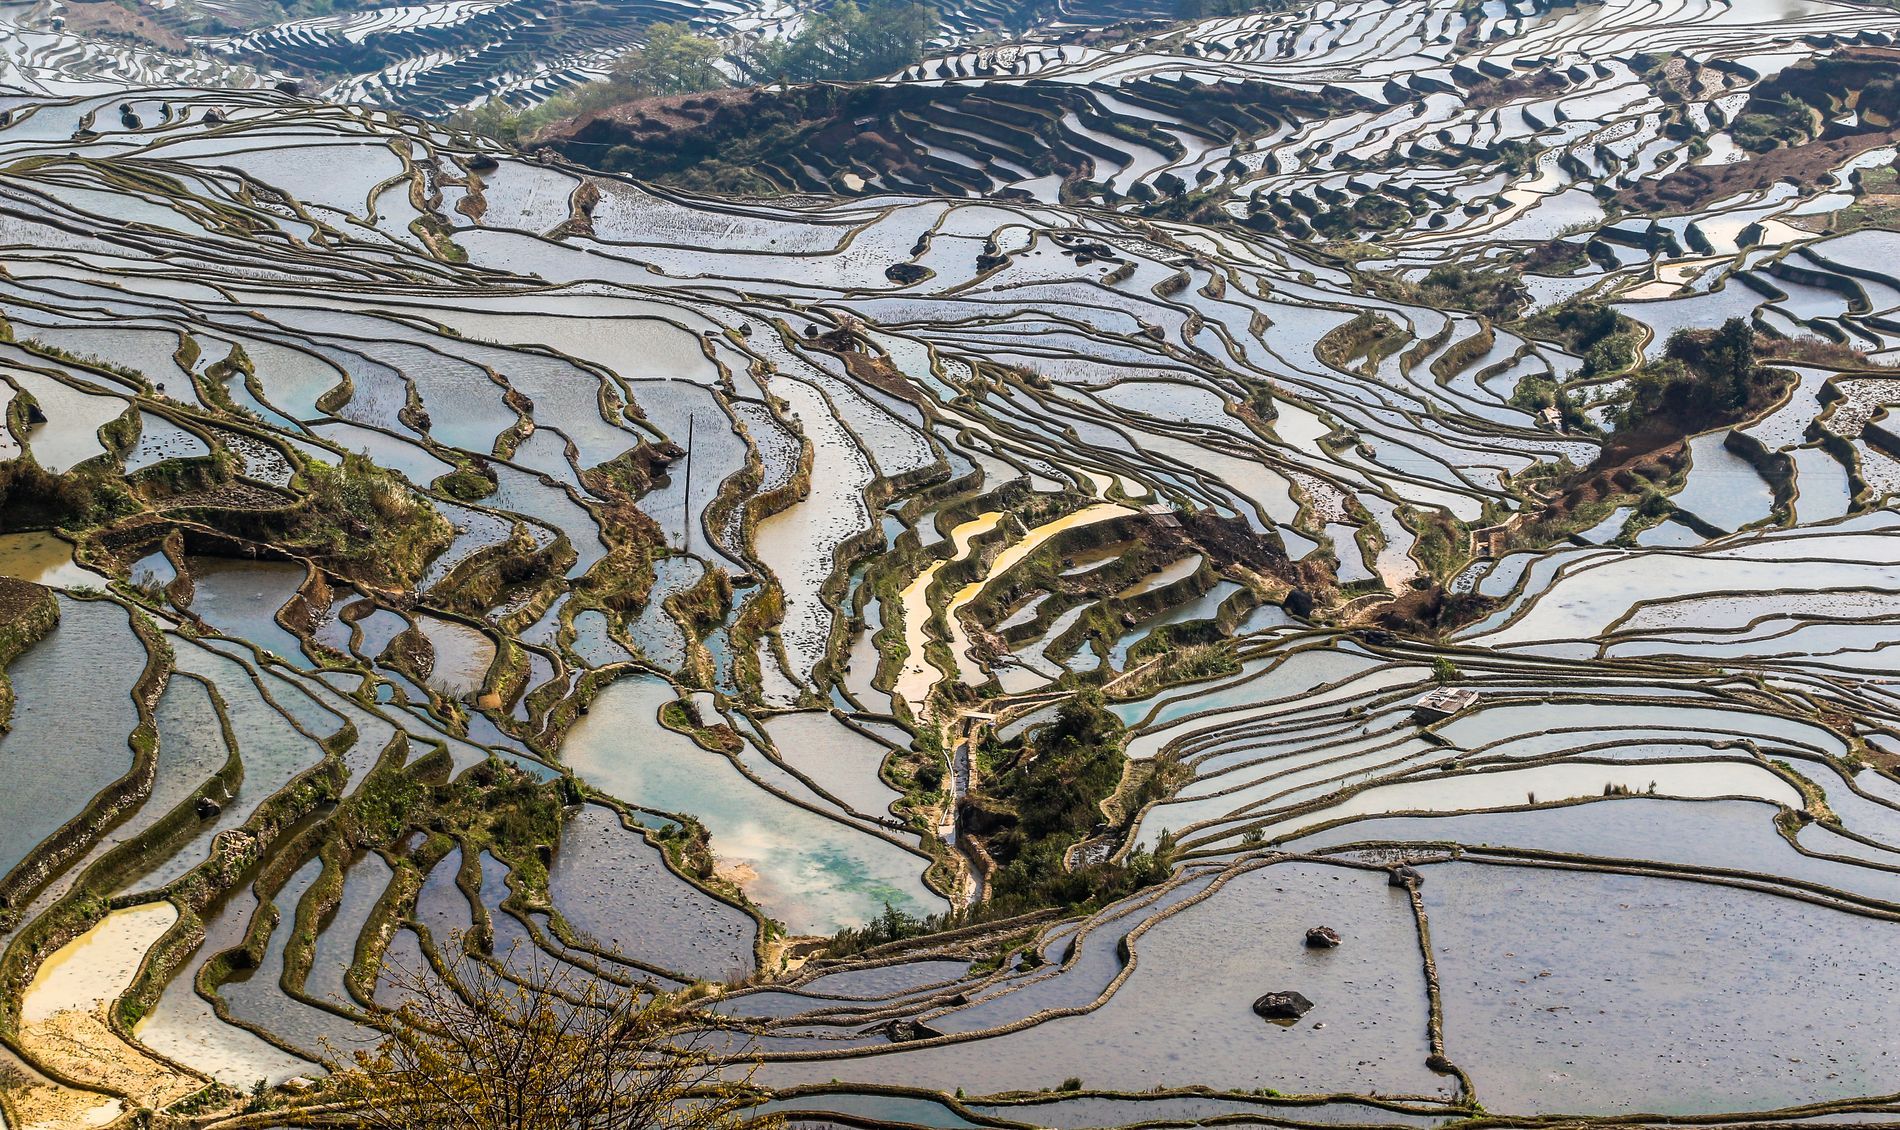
column 710, row 564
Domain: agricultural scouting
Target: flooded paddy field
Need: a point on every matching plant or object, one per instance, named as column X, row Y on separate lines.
column 410, row 548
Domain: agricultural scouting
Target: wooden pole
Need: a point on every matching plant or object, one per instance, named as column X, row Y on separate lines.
column 686, row 498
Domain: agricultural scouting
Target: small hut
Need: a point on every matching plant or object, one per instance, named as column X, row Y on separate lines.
column 1440, row 703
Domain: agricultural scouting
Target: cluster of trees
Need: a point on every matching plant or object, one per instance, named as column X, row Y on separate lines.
column 1786, row 121
column 1494, row 292
column 1703, row 378
column 1602, row 337
column 1049, row 798
column 847, row 42
column 1040, row 796
column 675, row 60
column 31, row 497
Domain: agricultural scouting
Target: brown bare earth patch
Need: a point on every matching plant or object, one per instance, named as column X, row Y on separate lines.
column 42, row 1104
column 1627, row 464
column 1812, row 350
column 1499, row 91
column 18, row 598
column 79, row 1044
column 662, row 114
column 230, row 496
column 108, row 19
column 1858, row 78
column 879, row 372
column 1871, row 754
column 1688, row 189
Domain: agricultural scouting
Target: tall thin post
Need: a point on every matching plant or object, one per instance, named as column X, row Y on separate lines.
column 686, row 499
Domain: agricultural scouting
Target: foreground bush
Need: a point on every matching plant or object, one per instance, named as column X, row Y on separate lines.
column 527, row 1045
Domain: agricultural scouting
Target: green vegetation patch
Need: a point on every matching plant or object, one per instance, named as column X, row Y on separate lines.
column 1043, row 796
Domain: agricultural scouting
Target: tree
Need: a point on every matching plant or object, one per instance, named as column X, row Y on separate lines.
column 675, row 60
column 524, row 1044
column 1726, row 358
column 492, row 118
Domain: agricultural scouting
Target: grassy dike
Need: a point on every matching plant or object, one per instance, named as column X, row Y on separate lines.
column 27, row 613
